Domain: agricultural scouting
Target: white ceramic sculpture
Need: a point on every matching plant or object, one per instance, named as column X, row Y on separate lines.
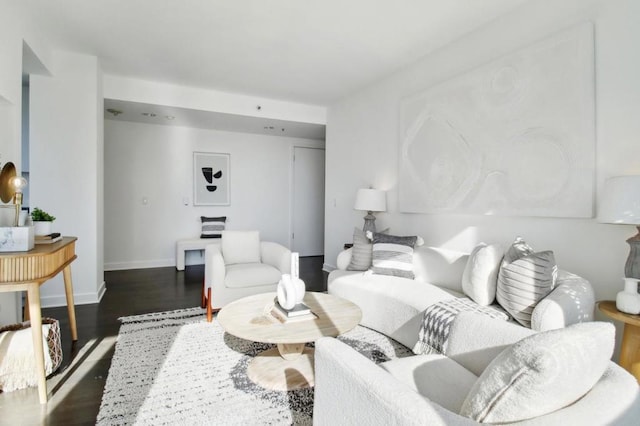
column 628, row 301
column 291, row 288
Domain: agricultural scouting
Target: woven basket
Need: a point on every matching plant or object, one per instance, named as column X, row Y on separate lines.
column 12, row 380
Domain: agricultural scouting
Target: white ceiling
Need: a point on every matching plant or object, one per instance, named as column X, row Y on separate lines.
column 312, row 52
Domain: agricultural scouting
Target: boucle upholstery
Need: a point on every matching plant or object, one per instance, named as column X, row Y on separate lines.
column 350, row 389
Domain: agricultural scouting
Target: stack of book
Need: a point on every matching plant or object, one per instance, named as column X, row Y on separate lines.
column 48, row 239
column 300, row 312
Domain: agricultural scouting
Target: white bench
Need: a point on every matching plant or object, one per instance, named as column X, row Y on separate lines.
column 196, row 244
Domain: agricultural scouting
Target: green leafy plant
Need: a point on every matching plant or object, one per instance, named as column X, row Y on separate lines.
column 38, row 215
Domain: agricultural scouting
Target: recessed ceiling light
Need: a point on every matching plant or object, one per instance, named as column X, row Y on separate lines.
column 115, row 112
column 169, row 117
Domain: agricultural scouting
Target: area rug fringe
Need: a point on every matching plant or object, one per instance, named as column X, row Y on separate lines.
column 175, row 368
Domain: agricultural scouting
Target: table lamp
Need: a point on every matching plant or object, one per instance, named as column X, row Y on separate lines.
column 370, row 200
column 620, row 204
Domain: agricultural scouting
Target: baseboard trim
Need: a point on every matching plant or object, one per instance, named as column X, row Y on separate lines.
column 141, row 264
column 328, row 268
column 78, row 298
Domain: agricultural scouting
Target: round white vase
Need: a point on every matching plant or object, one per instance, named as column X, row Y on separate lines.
column 628, row 301
column 41, row 227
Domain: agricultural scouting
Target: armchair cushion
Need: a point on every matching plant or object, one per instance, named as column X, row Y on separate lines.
column 251, row 275
column 541, row 374
column 241, row 247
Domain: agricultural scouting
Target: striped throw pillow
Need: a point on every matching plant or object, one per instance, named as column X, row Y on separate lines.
column 212, row 227
column 525, row 278
column 393, row 255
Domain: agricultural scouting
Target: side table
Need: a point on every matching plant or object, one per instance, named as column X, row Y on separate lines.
column 27, row 271
column 630, row 347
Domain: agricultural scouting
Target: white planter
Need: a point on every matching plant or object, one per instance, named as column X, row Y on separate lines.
column 42, row 228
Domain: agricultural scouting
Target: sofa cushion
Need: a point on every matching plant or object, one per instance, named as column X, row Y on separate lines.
column 524, row 279
column 435, row 377
column 480, row 276
column 390, row 305
column 541, row 373
column 475, row 340
column 393, row 255
column 241, row 247
column 251, row 275
column 212, row 227
column 439, row 266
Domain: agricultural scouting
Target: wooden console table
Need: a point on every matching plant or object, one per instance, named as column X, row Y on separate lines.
column 27, row 271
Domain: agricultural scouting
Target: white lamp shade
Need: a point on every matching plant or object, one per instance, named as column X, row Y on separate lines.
column 620, row 201
column 372, row 200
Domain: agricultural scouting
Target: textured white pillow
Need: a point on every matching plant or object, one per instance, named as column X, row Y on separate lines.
column 240, row 247
column 480, row 276
column 541, row 373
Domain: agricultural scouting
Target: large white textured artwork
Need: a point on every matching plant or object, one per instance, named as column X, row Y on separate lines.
column 515, row 137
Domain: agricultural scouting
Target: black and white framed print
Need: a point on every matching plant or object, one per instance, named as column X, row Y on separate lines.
column 210, row 179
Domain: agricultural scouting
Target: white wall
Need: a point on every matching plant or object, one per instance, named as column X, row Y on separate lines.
column 362, row 135
column 156, row 162
column 15, row 29
column 66, row 166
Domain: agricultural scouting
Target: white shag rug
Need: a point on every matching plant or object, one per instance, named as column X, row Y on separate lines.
column 175, row 368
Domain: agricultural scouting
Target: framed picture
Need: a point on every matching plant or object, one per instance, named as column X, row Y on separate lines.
column 210, row 179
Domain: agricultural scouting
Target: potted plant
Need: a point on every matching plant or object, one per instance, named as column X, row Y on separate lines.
column 41, row 221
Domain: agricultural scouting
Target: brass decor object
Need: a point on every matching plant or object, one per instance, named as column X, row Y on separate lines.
column 11, row 189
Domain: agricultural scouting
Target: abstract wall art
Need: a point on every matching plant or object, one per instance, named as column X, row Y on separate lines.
column 515, row 137
column 210, row 179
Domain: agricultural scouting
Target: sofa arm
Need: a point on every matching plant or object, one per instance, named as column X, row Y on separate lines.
column 276, row 255
column 344, row 259
column 214, row 269
column 572, row 301
column 351, row 389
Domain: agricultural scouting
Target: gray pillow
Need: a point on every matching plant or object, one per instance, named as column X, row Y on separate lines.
column 212, row 227
column 525, row 278
column 393, row 255
column 361, row 252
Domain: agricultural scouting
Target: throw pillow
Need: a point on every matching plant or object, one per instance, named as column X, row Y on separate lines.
column 392, row 255
column 480, row 276
column 525, row 278
column 212, row 227
column 361, row 252
column 541, row 373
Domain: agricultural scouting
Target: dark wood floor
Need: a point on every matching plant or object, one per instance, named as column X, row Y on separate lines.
column 75, row 391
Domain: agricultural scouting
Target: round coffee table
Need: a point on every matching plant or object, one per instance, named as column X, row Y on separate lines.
column 289, row 365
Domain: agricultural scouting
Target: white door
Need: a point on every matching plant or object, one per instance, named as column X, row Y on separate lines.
column 308, row 201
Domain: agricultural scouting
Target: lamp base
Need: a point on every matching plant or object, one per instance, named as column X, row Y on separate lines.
column 369, row 223
column 632, row 267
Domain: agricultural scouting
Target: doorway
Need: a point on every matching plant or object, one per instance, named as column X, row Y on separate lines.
column 307, row 228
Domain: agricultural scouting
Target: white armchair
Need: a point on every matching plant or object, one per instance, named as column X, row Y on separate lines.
column 240, row 266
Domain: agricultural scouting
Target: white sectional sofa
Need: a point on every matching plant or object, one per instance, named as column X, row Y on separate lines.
column 394, row 306
column 575, row 384
column 492, row 371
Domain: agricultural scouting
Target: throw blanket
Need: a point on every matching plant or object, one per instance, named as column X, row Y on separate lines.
column 438, row 318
